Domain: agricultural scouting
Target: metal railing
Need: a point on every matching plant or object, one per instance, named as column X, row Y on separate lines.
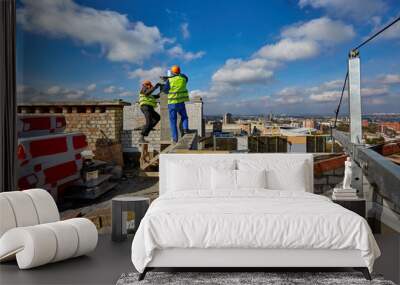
column 382, row 174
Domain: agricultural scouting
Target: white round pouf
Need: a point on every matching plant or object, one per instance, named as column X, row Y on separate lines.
column 87, row 235
column 46, row 208
column 23, row 208
column 33, row 246
column 67, row 240
column 7, row 218
column 31, row 233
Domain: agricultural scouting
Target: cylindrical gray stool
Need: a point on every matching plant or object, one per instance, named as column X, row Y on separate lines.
column 120, row 206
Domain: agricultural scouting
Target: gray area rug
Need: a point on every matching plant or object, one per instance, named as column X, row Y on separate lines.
column 228, row 278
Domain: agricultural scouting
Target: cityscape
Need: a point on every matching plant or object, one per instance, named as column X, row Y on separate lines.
column 81, row 127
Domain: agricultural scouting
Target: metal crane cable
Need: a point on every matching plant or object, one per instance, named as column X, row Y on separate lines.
column 376, row 34
column 355, row 50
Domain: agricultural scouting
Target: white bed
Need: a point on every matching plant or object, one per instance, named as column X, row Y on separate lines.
column 205, row 226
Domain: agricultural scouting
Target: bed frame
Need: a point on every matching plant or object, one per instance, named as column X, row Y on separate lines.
column 249, row 259
column 245, row 259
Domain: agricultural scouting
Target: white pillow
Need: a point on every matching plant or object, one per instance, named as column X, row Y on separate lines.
column 296, row 181
column 251, row 178
column 283, row 173
column 188, row 175
column 223, row 179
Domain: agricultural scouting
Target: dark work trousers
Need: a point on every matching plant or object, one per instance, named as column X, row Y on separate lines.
column 152, row 118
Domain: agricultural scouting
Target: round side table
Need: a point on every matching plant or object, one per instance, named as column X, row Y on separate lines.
column 120, row 206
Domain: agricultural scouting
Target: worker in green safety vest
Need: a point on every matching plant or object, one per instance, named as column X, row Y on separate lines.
column 178, row 94
column 148, row 102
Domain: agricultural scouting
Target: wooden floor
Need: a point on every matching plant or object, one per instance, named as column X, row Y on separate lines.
column 110, row 260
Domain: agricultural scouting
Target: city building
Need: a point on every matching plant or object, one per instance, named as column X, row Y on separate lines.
column 228, row 118
column 309, row 123
column 392, row 125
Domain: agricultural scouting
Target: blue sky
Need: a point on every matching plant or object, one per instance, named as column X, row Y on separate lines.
column 243, row 57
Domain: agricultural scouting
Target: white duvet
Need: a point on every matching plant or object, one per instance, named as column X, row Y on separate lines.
column 250, row 219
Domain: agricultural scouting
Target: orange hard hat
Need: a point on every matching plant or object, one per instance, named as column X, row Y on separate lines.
column 147, row 83
column 175, row 69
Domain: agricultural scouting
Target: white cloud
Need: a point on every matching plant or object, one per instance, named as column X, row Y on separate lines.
column 152, row 74
column 91, row 87
column 374, row 91
column 319, row 99
column 289, row 91
column 322, row 30
column 21, row 89
column 360, row 10
column 289, row 95
column 53, row 90
column 376, row 101
column 304, row 40
column 392, row 33
column 330, row 91
column 73, row 94
column 298, row 41
column 287, row 50
column 126, row 94
column 289, row 100
column 389, row 79
column 217, row 89
column 178, row 52
column 110, row 89
column 238, row 71
column 119, row 38
column 185, row 30
column 244, row 106
column 335, row 84
column 326, row 96
column 201, row 93
column 52, row 93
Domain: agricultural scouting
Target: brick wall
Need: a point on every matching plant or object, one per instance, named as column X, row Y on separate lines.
column 93, row 118
column 328, row 180
column 328, row 172
column 95, row 124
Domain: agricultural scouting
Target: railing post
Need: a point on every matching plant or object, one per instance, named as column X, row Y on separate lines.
column 355, row 114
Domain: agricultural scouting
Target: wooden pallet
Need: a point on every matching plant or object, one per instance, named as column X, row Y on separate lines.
column 185, row 143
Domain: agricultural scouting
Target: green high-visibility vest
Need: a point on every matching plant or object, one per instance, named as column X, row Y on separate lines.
column 178, row 92
column 147, row 100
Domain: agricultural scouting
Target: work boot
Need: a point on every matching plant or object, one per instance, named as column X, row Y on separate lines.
column 142, row 140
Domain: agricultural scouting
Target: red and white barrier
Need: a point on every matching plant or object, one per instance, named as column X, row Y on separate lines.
column 50, row 161
column 38, row 125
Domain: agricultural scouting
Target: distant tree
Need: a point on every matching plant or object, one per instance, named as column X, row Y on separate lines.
column 343, row 127
column 372, row 128
column 374, row 141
